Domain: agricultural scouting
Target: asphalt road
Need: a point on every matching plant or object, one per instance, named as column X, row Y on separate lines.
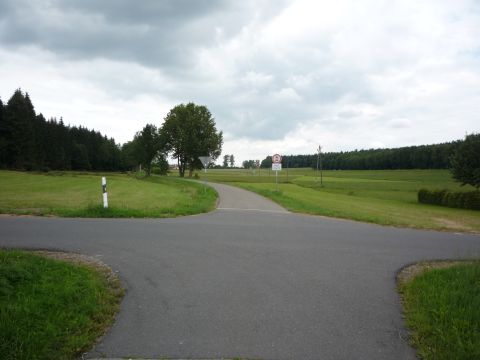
column 254, row 282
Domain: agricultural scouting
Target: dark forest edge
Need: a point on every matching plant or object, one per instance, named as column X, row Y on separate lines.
column 30, row 142
column 436, row 156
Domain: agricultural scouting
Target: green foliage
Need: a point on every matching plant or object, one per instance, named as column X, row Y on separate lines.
column 29, row 142
column 464, row 200
column 442, row 308
column 466, row 161
column 249, row 164
column 413, row 157
column 50, row 309
column 160, row 165
column 146, row 147
column 3, row 138
column 226, row 159
column 18, row 132
column 189, row 132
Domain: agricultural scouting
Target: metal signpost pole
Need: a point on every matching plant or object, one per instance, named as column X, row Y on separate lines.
column 206, row 180
column 276, row 166
column 321, row 174
column 276, row 181
column 318, row 158
column 205, row 161
column 288, row 160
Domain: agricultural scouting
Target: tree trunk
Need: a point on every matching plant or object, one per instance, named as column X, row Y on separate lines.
column 181, row 168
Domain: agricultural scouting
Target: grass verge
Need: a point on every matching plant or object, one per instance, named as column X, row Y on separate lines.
column 385, row 197
column 73, row 194
column 442, row 310
column 52, row 309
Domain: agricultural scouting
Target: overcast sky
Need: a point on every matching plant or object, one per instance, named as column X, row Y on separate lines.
column 278, row 76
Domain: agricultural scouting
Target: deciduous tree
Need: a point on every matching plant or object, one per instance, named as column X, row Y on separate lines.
column 147, row 146
column 189, row 132
column 226, row 159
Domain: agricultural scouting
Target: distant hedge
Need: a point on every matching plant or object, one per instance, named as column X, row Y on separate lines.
column 464, row 200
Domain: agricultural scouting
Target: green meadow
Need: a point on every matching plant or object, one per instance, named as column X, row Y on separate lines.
column 386, row 197
column 77, row 194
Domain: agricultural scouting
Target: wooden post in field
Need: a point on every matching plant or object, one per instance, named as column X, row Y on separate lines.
column 105, row 196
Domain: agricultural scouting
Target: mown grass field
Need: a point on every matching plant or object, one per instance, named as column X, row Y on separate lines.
column 386, row 197
column 51, row 309
column 80, row 195
column 442, row 308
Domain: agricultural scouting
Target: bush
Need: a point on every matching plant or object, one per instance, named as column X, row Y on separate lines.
column 466, row 161
column 157, row 170
column 465, row 200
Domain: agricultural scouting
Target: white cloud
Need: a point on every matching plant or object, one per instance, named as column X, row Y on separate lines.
column 286, row 94
column 277, row 78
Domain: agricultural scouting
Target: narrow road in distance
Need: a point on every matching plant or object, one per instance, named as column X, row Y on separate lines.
column 248, row 280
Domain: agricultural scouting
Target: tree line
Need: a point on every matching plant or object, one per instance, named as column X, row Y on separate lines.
column 30, row 142
column 435, row 156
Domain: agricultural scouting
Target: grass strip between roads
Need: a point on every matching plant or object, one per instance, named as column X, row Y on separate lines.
column 442, row 309
column 77, row 194
column 52, row 309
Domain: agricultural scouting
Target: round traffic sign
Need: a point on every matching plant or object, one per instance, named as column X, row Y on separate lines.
column 276, row 159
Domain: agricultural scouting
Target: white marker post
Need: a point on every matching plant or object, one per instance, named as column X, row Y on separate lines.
column 105, row 196
column 276, row 166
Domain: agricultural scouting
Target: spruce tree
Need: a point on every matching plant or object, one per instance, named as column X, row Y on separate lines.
column 19, row 121
column 3, row 139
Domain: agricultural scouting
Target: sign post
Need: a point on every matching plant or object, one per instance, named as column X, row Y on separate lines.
column 276, row 166
column 319, row 160
column 205, row 161
column 104, row 189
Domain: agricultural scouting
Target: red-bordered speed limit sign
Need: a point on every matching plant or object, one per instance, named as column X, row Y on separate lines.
column 277, row 159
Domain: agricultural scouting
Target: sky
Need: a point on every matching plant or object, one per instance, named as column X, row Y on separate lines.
column 278, row 76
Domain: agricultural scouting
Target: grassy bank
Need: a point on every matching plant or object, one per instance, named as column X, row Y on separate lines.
column 79, row 195
column 52, row 309
column 386, row 197
column 442, row 308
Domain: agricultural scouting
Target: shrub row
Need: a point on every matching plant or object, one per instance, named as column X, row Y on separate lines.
column 464, row 200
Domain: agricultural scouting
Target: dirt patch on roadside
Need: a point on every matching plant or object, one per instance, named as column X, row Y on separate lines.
column 410, row 271
column 453, row 225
